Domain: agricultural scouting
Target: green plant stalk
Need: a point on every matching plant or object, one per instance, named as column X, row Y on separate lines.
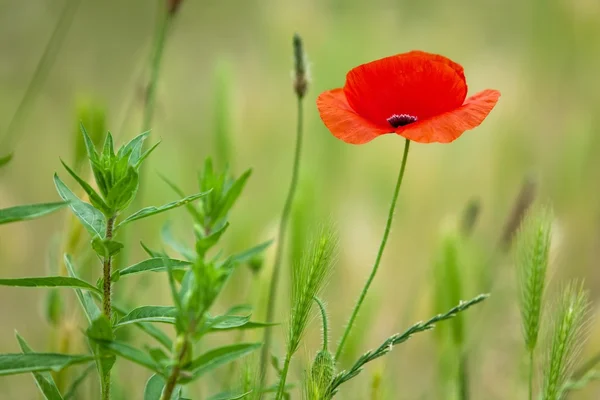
column 284, row 372
column 42, row 69
column 281, row 244
column 106, row 296
column 324, row 322
column 384, row 239
column 107, row 267
column 531, row 364
column 172, row 380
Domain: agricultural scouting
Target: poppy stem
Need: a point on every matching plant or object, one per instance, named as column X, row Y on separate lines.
column 384, row 239
column 280, row 245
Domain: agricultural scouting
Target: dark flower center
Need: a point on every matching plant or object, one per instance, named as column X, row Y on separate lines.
column 398, row 120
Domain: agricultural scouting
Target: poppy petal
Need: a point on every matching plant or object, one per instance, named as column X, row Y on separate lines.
column 418, row 84
column 343, row 122
column 448, row 126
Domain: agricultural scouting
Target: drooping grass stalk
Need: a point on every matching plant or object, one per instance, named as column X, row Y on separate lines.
column 41, row 71
column 532, row 249
column 568, row 336
column 300, row 87
column 386, row 233
column 398, row 338
column 308, row 278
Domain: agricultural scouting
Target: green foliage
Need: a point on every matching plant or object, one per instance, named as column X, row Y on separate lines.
column 154, row 387
column 11, row 364
column 532, row 249
column 164, row 314
column 49, row 281
column 43, row 380
column 217, row 357
column 156, row 264
column 567, row 337
column 92, row 219
column 149, row 211
column 106, row 247
column 129, row 353
column 229, row 396
column 30, row 211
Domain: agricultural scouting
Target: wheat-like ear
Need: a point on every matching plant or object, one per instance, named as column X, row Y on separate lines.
column 567, row 336
column 308, row 278
column 532, row 248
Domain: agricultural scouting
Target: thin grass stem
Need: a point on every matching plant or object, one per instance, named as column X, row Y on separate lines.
column 285, row 215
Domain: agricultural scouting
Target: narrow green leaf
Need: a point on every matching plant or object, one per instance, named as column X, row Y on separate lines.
column 86, row 300
column 108, row 150
column 130, row 353
column 43, row 380
column 89, row 144
column 92, row 219
column 242, row 326
column 49, row 281
column 219, row 356
column 155, row 265
column 247, row 255
column 5, row 159
column 11, row 364
column 232, row 195
column 30, row 211
column 146, row 154
column 224, row 322
column 190, row 207
column 134, row 147
column 150, row 329
column 95, row 198
column 152, row 210
column 164, row 314
column 154, row 387
column 228, row 396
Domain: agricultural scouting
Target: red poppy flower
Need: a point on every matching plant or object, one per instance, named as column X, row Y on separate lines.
column 417, row 95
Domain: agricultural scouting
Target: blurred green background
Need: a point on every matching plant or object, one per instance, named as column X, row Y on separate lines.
column 236, row 56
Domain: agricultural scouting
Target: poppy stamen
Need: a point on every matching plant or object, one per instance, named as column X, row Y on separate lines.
column 398, row 120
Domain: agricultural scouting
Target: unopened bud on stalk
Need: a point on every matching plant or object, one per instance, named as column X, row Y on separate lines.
column 300, row 78
column 321, row 375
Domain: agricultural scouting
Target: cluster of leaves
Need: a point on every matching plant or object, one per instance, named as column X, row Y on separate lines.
column 195, row 281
